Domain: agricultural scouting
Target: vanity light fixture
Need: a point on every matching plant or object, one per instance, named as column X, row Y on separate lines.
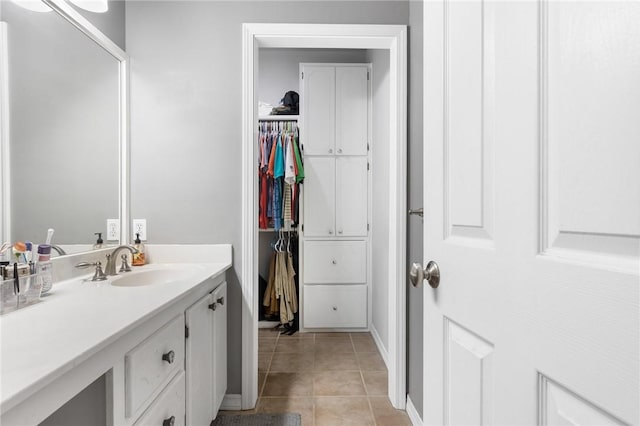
column 97, row 6
column 33, row 5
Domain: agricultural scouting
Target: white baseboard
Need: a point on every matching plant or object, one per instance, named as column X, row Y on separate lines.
column 413, row 413
column 231, row 402
column 381, row 348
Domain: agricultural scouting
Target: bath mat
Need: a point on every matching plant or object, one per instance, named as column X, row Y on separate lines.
column 289, row 419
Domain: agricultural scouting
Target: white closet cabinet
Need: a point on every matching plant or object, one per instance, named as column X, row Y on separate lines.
column 335, row 108
column 206, row 356
column 336, row 246
column 336, row 197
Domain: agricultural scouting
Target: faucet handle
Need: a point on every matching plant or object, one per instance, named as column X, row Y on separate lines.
column 124, row 266
column 98, row 275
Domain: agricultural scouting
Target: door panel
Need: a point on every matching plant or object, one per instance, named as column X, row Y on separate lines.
column 220, row 346
column 199, row 366
column 319, row 196
column 351, row 196
column 536, row 318
column 318, row 100
column 352, row 110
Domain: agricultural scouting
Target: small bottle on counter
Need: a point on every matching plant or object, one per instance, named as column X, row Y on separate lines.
column 99, row 241
column 138, row 259
column 44, row 268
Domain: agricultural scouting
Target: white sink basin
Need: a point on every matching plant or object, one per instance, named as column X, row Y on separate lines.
column 154, row 275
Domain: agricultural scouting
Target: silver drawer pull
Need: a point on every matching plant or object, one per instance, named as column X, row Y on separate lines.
column 170, row 421
column 221, row 300
column 169, row 357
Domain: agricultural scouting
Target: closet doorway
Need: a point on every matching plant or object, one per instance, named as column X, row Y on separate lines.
column 388, row 38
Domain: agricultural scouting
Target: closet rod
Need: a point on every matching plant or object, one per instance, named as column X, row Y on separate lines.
column 278, row 118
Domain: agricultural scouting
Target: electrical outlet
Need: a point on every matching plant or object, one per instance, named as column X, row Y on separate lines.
column 140, row 227
column 113, row 230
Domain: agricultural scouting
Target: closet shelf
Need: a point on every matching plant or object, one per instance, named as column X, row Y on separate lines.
column 278, row 117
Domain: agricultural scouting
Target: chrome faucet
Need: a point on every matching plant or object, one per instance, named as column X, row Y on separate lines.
column 110, row 269
column 59, row 249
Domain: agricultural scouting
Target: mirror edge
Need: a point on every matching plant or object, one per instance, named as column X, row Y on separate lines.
column 97, row 36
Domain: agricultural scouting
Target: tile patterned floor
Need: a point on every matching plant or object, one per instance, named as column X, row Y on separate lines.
column 331, row 379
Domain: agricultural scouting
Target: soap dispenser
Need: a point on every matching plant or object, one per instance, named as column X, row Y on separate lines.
column 138, row 258
column 98, row 244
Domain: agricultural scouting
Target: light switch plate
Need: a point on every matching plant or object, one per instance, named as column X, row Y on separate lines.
column 113, row 230
column 140, row 227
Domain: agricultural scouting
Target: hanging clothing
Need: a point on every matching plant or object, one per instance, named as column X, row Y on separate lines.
column 280, row 298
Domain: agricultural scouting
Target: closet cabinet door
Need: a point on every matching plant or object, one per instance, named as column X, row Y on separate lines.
column 318, row 110
column 351, row 196
column 319, row 196
column 352, row 110
column 199, row 362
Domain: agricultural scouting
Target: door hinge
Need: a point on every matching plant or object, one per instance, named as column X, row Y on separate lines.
column 367, row 75
column 368, row 166
column 186, row 331
column 367, row 226
column 302, row 227
column 368, row 146
column 302, row 76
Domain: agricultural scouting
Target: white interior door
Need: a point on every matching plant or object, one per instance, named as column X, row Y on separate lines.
column 532, row 212
column 318, row 100
column 319, row 198
column 352, row 110
column 352, row 194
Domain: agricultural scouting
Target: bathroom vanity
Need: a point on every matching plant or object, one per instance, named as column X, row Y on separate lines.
column 157, row 335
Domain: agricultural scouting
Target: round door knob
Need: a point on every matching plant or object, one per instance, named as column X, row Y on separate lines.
column 170, row 421
column 169, row 357
column 431, row 273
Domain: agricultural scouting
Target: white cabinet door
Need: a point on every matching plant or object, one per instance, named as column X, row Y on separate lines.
column 219, row 346
column 318, row 110
column 352, row 110
column 319, row 197
column 533, row 216
column 199, row 362
column 351, row 196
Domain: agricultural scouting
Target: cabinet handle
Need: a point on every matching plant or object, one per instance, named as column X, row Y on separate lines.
column 170, row 421
column 213, row 306
column 169, row 357
column 335, row 262
column 221, row 301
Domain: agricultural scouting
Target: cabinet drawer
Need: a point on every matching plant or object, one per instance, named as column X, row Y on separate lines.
column 169, row 404
column 335, row 262
column 150, row 364
column 332, row 306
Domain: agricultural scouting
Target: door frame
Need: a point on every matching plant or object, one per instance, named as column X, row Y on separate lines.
column 327, row 36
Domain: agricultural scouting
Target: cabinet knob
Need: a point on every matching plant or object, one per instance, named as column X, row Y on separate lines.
column 213, row 306
column 170, row 421
column 221, row 300
column 330, row 151
column 169, row 357
column 340, row 231
column 340, row 151
column 330, row 232
column 335, row 308
column 335, row 262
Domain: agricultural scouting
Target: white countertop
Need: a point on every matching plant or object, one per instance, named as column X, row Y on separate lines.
column 41, row 342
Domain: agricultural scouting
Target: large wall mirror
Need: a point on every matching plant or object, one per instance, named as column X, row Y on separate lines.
column 65, row 126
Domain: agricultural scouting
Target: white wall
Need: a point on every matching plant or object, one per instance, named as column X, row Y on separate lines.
column 380, row 175
column 186, row 89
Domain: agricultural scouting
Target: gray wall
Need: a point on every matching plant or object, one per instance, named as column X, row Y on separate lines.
column 186, row 117
column 414, row 223
column 380, row 86
column 63, row 104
